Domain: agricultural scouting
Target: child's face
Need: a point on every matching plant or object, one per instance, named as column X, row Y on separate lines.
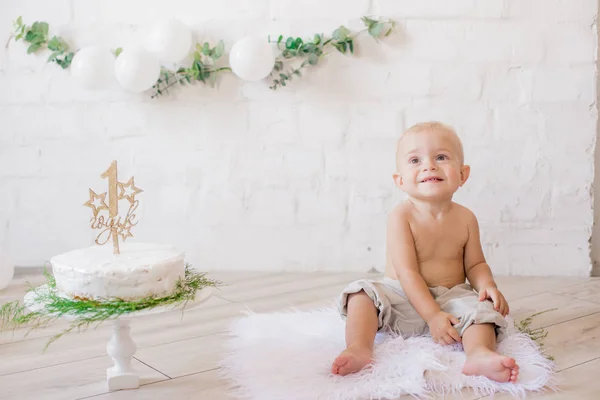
column 430, row 165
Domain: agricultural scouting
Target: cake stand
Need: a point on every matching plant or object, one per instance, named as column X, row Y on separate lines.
column 121, row 346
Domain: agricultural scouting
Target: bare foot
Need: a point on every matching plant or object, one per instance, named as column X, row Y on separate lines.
column 492, row 365
column 351, row 360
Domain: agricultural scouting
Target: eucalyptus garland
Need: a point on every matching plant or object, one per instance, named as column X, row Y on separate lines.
column 308, row 52
column 203, row 69
column 87, row 312
column 37, row 37
column 312, row 51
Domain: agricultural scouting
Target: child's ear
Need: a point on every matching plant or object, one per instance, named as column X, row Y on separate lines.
column 397, row 180
column 465, row 171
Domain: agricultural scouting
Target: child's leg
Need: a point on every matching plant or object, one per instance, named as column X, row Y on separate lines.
column 361, row 327
column 479, row 342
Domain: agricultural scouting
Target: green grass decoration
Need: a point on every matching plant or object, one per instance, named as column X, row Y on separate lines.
column 537, row 335
column 93, row 312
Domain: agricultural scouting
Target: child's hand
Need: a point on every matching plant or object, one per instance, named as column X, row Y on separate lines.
column 442, row 331
column 492, row 293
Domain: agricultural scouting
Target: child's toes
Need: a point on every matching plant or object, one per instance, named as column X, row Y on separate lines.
column 514, row 374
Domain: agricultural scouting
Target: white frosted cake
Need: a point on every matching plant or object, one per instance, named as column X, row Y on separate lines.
column 141, row 270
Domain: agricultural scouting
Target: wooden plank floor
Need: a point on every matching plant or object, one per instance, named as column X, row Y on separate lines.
column 178, row 358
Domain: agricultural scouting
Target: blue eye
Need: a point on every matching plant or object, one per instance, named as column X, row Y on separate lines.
column 441, row 157
column 414, row 160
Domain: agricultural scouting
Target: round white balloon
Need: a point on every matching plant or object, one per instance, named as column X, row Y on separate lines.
column 169, row 40
column 137, row 70
column 251, row 58
column 92, row 67
column 7, row 270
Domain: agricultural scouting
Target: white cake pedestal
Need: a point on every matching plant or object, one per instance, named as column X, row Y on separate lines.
column 121, row 346
column 121, row 349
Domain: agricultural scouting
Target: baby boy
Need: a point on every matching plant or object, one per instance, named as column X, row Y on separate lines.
column 433, row 246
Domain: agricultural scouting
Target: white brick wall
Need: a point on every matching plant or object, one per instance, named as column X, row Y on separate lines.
column 300, row 179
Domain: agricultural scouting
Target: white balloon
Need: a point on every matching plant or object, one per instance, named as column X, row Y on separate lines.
column 136, row 69
column 7, row 270
column 93, row 67
column 169, row 40
column 251, row 58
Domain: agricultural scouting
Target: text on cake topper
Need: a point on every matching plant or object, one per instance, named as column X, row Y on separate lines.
column 113, row 225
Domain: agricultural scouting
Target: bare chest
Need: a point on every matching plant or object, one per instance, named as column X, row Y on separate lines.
column 439, row 241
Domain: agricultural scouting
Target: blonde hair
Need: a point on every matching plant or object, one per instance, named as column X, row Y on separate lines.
column 431, row 126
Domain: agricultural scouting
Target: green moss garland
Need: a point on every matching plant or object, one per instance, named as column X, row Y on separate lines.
column 87, row 312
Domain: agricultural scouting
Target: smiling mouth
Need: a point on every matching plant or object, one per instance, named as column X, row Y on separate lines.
column 431, row 180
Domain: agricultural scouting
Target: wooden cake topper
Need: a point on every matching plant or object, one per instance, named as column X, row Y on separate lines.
column 113, row 226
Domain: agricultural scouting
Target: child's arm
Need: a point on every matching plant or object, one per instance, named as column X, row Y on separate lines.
column 401, row 247
column 478, row 271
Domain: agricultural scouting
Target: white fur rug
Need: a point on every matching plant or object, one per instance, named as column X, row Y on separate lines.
column 288, row 356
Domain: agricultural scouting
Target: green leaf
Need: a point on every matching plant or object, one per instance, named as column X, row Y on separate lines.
column 368, row 21
column 53, row 55
column 68, row 59
column 197, row 56
column 41, row 28
column 341, row 33
column 375, row 30
column 54, row 44
column 289, row 43
column 297, row 72
column 58, row 44
column 118, row 51
column 33, row 48
column 201, row 73
column 313, row 59
column 279, row 39
column 219, row 50
column 389, row 32
column 288, row 53
column 31, row 36
column 309, row 48
column 34, row 27
column 20, row 21
column 276, row 82
column 341, row 47
column 298, row 43
column 317, row 39
column 206, row 49
column 350, row 45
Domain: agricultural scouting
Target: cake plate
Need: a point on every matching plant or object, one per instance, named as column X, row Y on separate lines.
column 121, row 346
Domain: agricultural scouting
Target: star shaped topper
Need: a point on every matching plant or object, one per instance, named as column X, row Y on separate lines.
column 128, row 190
column 96, row 202
column 113, row 226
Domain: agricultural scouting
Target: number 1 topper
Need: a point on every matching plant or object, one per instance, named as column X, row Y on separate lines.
column 113, row 226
